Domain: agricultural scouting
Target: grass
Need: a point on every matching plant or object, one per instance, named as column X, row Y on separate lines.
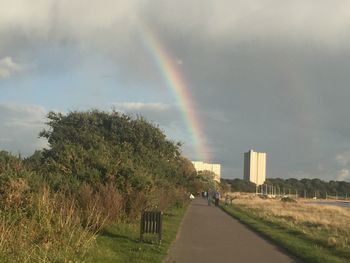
column 312, row 233
column 40, row 227
column 120, row 242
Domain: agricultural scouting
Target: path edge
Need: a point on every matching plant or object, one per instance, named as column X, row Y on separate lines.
column 178, row 232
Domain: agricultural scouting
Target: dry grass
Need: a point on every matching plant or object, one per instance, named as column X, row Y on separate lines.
column 99, row 206
column 48, row 226
column 328, row 225
column 40, row 227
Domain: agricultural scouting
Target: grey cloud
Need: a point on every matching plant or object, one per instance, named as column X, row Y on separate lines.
column 343, row 158
column 266, row 75
column 112, row 25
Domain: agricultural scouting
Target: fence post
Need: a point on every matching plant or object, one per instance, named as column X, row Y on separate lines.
column 142, row 225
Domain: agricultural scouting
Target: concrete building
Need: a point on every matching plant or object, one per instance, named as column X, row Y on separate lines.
column 255, row 167
column 213, row 167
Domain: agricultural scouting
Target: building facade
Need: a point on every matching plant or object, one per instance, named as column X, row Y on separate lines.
column 212, row 167
column 255, row 167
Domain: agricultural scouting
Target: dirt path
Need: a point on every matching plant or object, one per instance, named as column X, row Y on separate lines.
column 209, row 235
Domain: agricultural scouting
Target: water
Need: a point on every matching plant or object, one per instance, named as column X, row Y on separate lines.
column 339, row 204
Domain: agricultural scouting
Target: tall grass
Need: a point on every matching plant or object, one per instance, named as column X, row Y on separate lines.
column 328, row 223
column 41, row 227
column 323, row 226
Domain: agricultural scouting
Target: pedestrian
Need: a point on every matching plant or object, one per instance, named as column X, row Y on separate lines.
column 217, row 198
column 209, row 197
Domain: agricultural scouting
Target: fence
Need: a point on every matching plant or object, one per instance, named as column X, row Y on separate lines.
column 151, row 222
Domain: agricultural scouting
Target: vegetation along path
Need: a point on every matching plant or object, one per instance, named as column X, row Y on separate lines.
column 209, row 235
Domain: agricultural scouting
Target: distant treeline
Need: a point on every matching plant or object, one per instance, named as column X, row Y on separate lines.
column 304, row 187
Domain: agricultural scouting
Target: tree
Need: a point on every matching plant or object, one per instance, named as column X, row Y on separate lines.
column 98, row 146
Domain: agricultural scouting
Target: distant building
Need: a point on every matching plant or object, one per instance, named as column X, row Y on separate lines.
column 212, row 167
column 255, row 167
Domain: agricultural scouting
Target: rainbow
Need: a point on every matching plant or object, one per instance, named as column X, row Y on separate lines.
column 177, row 85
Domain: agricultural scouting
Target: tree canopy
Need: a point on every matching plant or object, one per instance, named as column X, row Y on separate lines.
column 98, row 146
column 307, row 187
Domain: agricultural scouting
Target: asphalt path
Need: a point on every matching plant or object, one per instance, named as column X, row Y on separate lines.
column 208, row 234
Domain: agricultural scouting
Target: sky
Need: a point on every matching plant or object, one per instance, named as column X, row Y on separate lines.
column 267, row 75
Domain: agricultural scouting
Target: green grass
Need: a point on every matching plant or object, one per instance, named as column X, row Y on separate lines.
column 294, row 242
column 120, row 242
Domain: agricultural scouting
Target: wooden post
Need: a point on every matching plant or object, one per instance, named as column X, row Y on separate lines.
column 142, row 225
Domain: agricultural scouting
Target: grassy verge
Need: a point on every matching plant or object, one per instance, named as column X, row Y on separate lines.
column 120, row 242
column 294, row 242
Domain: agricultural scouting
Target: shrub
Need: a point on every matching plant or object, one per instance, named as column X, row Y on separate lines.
column 287, row 199
column 101, row 205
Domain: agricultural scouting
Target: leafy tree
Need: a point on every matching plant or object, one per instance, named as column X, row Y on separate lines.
column 307, row 187
column 239, row 185
column 98, row 146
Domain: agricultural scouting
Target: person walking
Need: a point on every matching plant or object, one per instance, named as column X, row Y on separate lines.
column 210, row 197
column 217, row 198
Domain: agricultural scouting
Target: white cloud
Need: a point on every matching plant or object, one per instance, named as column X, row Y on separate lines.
column 140, row 106
column 343, row 158
column 20, row 127
column 164, row 114
column 8, row 67
column 343, row 174
column 168, row 117
column 179, row 61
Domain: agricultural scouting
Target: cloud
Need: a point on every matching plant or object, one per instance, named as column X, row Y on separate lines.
column 343, row 158
column 167, row 116
column 140, row 106
column 20, row 126
column 106, row 22
column 259, row 72
column 8, row 67
column 164, row 114
column 343, row 175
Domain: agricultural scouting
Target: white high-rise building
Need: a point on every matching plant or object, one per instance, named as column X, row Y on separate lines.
column 255, row 167
column 213, row 167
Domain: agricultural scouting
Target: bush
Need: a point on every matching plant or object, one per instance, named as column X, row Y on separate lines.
column 288, row 200
column 99, row 206
column 100, row 168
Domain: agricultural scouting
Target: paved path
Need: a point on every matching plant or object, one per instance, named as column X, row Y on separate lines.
column 210, row 235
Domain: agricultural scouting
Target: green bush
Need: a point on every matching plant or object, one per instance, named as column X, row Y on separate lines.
column 99, row 168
